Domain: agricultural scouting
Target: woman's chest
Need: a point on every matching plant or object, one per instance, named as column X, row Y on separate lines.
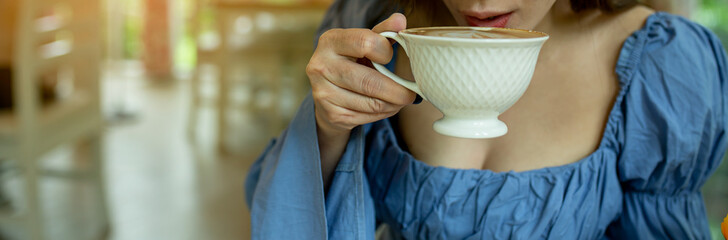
column 559, row 120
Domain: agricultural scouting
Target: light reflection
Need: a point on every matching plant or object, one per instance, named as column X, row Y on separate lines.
column 243, row 25
column 208, row 41
column 56, row 49
column 265, row 21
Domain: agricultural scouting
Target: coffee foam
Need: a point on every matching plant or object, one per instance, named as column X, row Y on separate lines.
column 493, row 33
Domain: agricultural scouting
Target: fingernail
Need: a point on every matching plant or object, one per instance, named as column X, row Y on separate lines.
column 418, row 100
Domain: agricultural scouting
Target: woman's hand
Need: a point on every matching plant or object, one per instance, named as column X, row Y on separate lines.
column 347, row 92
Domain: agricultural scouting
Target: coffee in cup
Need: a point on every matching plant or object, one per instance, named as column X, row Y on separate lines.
column 476, row 33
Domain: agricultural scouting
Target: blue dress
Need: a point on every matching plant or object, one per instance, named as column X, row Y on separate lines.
column 665, row 135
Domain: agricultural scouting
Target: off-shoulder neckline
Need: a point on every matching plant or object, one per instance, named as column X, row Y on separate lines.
column 629, row 58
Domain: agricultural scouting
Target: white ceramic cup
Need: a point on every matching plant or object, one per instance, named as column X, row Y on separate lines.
column 471, row 81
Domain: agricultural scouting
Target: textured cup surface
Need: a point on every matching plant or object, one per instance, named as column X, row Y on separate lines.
column 471, row 80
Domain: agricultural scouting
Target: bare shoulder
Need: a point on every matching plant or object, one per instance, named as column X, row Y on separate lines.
column 628, row 21
column 612, row 29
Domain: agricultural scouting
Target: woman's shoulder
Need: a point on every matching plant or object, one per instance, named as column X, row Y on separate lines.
column 676, row 64
column 674, row 110
column 671, row 45
column 667, row 27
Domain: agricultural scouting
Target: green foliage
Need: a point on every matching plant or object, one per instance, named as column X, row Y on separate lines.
column 132, row 40
column 714, row 15
column 133, row 20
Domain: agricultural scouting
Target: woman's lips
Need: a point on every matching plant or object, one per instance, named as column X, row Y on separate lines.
column 493, row 21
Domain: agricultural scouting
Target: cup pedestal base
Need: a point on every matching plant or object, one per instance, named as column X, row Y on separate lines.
column 469, row 128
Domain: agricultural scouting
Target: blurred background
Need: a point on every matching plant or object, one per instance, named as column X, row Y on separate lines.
column 138, row 119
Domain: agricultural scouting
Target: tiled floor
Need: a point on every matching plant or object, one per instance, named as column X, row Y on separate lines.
column 165, row 185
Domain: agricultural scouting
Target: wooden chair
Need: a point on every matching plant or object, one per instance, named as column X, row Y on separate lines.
column 58, row 37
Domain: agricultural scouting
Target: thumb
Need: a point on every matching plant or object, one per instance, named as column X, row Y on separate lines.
column 394, row 23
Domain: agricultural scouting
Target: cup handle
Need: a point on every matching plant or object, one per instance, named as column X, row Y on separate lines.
column 408, row 84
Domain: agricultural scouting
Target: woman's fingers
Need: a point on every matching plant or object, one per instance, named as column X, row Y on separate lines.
column 347, row 93
column 352, row 100
column 395, row 23
column 365, row 43
column 358, row 43
column 344, row 118
column 370, row 82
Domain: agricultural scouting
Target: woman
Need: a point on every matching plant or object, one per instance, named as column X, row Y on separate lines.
column 623, row 122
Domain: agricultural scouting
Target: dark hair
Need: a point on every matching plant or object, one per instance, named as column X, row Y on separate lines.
column 576, row 5
column 604, row 5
